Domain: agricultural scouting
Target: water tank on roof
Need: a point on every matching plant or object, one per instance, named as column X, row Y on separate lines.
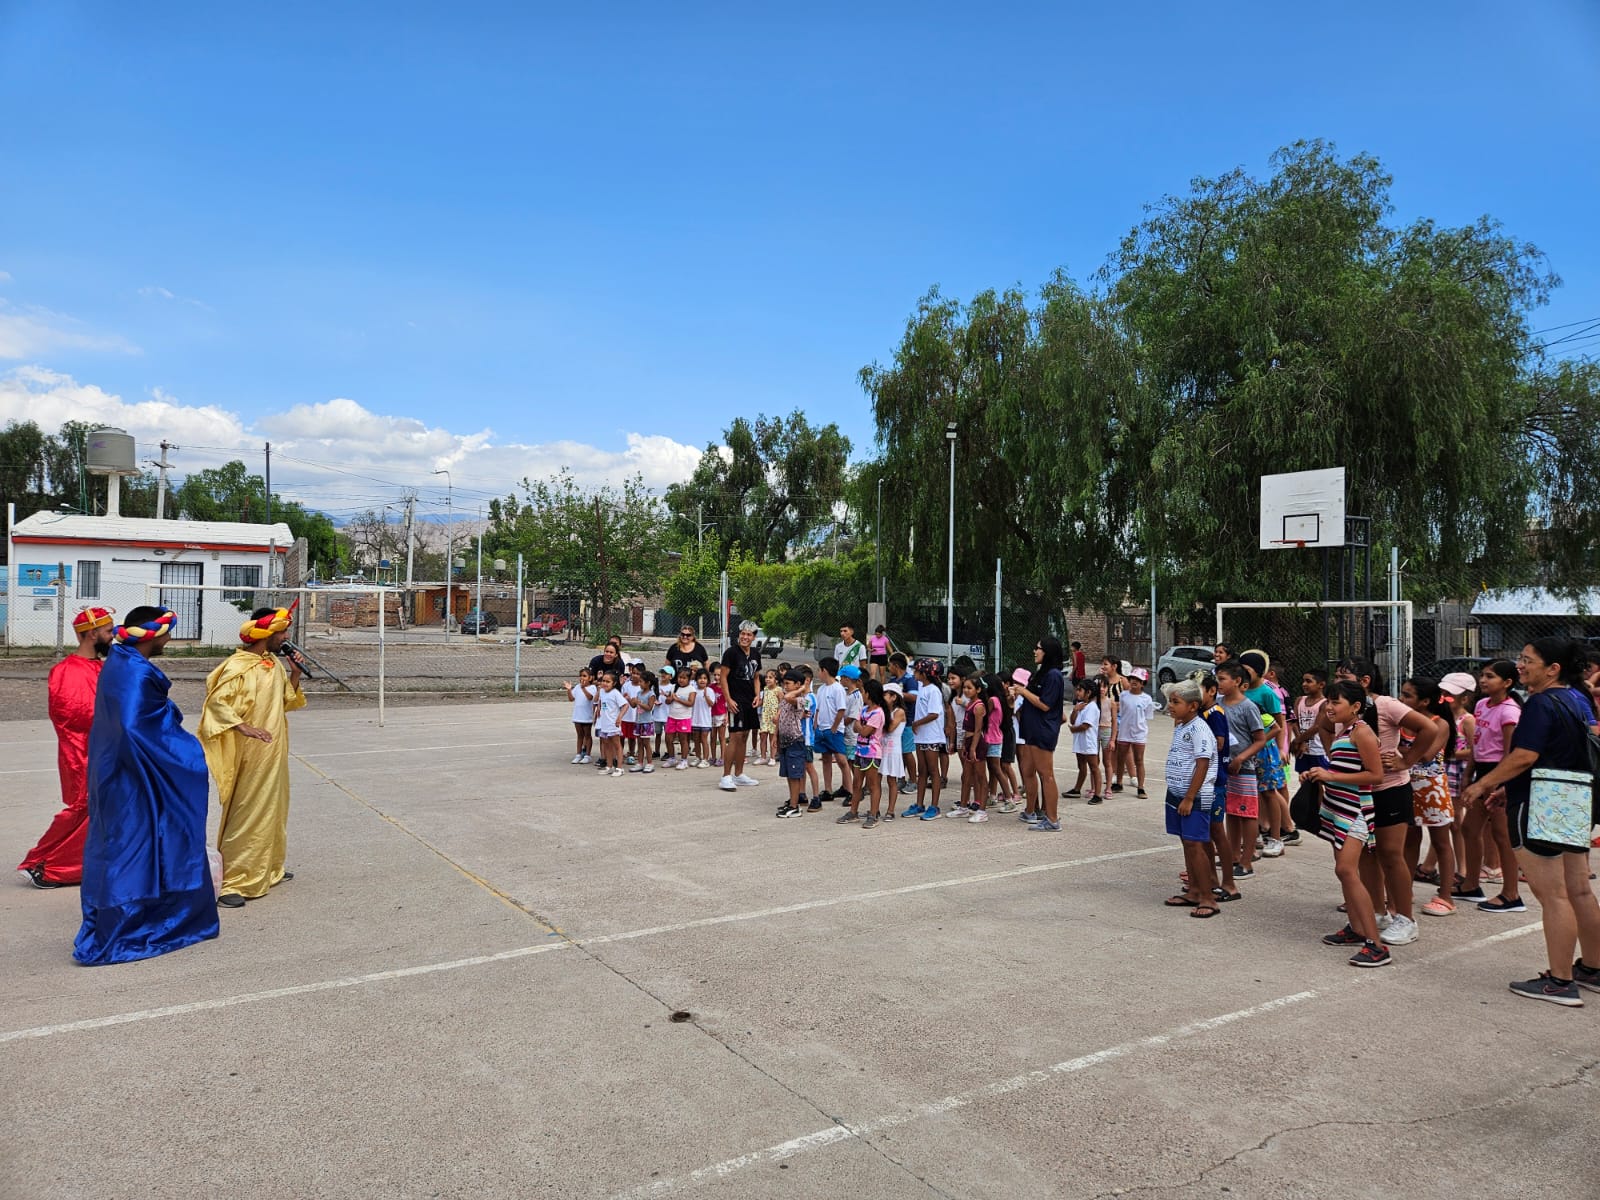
column 110, row 452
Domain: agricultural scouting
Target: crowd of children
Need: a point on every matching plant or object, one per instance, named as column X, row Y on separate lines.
column 1385, row 781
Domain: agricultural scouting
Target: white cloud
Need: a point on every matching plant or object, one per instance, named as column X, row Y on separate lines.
column 30, row 332
column 5, row 276
column 161, row 293
column 338, row 454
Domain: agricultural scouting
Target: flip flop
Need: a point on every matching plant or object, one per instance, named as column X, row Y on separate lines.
column 1181, row 902
column 1205, row 911
column 1226, row 897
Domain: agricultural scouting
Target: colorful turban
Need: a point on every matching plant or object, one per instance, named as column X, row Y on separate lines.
column 262, row 628
column 153, row 628
column 91, row 618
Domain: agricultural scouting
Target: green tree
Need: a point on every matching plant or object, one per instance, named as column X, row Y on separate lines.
column 232, row 493
column 605, row 543
column 769, row 488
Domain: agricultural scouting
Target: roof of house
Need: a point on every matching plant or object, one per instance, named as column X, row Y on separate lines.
column 147, row 531
column 1537, row 602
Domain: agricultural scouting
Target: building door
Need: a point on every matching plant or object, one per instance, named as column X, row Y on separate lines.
column 185, row 601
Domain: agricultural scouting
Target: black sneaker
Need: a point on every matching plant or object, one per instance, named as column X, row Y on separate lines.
column 846, row 818
column 1292, row 838
column 839, row 793
column 815, row 805
column 1548, row 988
column 788, row 810
column 1501, row 905
column 1345, row 937
column 1244, row 873
column 1461, row 893
column 1142, row 794
column 1116, row 787
column 231, row 900
column 1586, row 977
column 36, row 877
column 1095, row 799
column 1372, row 954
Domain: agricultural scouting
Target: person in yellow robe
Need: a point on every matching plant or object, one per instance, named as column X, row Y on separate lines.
column 245, row 732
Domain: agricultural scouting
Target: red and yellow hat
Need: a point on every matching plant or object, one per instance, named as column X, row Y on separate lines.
column 153, row 628
column 92, row 618
column 262, row 628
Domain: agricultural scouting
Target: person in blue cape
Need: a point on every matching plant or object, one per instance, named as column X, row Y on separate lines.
column 146, row 881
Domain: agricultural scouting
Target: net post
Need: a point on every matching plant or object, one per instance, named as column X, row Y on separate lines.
column 382, row 605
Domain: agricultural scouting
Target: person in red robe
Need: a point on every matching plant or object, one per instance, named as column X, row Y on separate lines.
column 57, row 860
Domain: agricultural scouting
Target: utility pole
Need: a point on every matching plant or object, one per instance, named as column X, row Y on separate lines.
column 600, row 542
column 161, row 486
column 269, row 483
column 411, row 508
column 449, row 544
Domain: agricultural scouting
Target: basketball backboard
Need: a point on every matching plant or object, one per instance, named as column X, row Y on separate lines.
column 1302, row 508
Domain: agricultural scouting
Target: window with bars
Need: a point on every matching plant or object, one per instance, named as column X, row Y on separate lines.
column 244, row 581
column 88, row 580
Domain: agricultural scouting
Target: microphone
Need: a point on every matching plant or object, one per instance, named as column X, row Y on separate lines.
column 294, row 654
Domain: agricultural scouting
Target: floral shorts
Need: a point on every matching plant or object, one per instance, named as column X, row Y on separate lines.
column 1269, row 768
column 1430, row 799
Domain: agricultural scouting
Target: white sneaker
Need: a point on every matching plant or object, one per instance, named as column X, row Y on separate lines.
column 616, row 772
column 1384, row 921
column 742, row 780
column 683, row 765
column 635, row 769
column 979, row 817
column 1273, row 849
column 1402, row 931
column 727, row 784
column 577, row 758
column 649, row 768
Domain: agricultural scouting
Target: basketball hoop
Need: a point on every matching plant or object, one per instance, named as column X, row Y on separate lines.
column 1297, row 543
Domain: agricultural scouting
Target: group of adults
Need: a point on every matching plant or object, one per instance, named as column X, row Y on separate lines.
column 135, row 784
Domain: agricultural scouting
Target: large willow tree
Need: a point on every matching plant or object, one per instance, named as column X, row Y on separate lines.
column 1249, row 327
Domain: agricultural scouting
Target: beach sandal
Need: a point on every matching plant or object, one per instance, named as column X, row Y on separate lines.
column 1224, row 897
column 1204, row 911
column 1181, row 902
column 1421, row 876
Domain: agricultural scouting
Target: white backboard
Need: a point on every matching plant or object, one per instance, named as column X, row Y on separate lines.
column 1302, row 506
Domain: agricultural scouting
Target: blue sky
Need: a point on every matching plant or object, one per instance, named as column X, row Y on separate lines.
column 499, row 238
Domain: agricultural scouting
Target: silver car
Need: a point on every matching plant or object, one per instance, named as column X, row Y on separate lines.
column 1180, row 661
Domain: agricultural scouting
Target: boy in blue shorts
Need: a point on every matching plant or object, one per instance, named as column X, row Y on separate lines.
column 1191, row 779
column 791, row 741
column 831, row 702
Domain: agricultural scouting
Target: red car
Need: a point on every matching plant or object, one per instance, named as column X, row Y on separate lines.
column 548, row 626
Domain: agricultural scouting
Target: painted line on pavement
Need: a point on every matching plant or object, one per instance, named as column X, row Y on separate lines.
column 174, row 1010
column 405, row 749
column 842, row 1132
column 303, row 989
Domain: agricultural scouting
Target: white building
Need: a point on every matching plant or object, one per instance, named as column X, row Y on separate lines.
column 60, row 561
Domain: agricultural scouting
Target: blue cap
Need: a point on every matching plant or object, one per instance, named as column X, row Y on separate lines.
column 850, row 672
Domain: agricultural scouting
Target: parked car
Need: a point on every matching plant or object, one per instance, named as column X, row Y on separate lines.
column 548, row 626
column 770, row 647
column 475, row 622
column 1180, row 661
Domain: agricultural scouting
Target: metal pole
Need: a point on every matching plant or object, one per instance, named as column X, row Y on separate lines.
column 995, row 666
column 269, row 483
column 12, row 575
column 1154, row 655
column 1394, row 622
column 723, row 595
column 516, row 667
column 449, row 546
column 382, row 662
column 950, row 557
column 61, row 609
column 478, row 603
column 877, row 540
column 700, row 550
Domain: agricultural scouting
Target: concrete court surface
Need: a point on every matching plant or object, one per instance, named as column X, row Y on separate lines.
column 468, row 990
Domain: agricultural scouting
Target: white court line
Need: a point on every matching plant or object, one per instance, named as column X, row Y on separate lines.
column 31, row 771
column 405, row 749
column 174, row 1010
column 326, row 985
column 840, row 1132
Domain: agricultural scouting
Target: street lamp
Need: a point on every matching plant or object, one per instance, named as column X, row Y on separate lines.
column 950, row 569
column 449, row 543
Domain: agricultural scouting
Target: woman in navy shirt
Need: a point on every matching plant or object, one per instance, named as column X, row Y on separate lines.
column 1040, row 722
column 1553, row 732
